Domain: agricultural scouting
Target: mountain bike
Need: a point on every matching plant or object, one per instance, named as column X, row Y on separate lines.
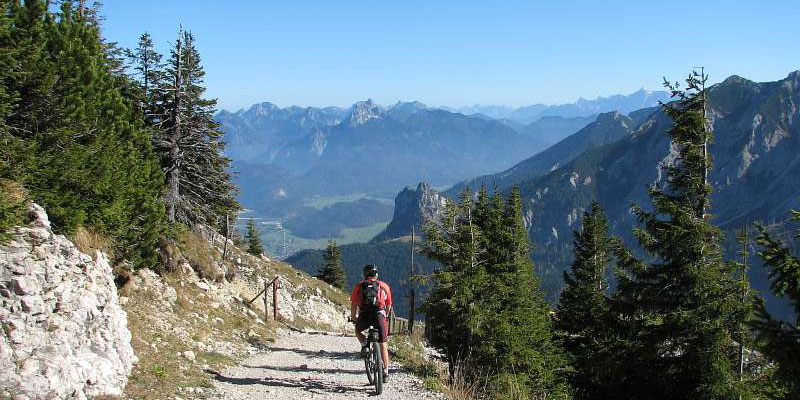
column 373, row 362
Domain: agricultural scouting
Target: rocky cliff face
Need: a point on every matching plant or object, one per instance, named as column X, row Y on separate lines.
column 64, row 334
column 412, row 208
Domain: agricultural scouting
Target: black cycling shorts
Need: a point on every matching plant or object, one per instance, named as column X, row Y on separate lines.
column 364, row 321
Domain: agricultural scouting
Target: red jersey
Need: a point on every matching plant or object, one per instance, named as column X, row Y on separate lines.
column 384, row 295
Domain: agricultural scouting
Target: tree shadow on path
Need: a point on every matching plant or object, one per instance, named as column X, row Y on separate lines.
column 309, row 369
column 305, row 384
column 333, row 355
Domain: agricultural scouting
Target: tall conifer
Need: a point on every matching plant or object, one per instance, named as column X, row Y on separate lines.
column 679, row 308
column 488, row 314
column 149, row 75
column 190, row 143
column 583, row 305
column 452, row 308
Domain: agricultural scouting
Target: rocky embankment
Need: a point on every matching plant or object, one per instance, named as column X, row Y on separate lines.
column 64, row 334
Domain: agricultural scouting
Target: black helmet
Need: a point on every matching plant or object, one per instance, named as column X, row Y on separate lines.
column 370, row 270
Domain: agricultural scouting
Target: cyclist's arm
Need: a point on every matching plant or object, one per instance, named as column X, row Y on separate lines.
column 353, row 311
column 354, row 302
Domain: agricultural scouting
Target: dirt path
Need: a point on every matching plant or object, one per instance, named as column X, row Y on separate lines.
column 312, row 366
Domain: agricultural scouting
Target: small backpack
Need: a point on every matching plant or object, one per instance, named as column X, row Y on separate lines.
column 370, row 296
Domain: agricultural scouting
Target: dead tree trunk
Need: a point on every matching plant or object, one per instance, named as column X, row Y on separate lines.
column 173, row 173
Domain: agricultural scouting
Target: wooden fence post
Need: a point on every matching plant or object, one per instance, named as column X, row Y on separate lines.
column 266, row 308
column 275, row 284
column 225, row 246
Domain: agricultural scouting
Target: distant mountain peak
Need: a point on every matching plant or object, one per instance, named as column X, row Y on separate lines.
column 610, row 116
column 414, row 103
column 734, row 79
column 409, row 106
column 363, row 111
column 412, row 209
column 259, row 109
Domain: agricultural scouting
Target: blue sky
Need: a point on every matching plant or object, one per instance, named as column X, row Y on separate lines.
column 456, row 53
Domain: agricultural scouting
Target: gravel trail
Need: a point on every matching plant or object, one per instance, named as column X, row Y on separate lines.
column 313, row 366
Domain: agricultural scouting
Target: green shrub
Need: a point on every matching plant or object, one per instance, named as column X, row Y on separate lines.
column 12, row 208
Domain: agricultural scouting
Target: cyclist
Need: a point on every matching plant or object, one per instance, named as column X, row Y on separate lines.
column 370, row 304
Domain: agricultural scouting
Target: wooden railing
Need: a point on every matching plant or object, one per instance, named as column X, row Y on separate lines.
column 276, row 284
column 397, row 324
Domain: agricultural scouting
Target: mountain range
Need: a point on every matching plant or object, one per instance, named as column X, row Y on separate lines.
column 606, row 128
column 286, row 156
column 642, row 98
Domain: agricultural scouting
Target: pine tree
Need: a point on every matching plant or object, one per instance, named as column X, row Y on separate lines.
column 678, row 310
column 146, row 61
column 519, row 330
column 583, row 305
column 253, row 239
column 332, row 272
column 451, row 307
column 743, row 335
column 781, row 339
column 488, row 314
column 190, row 144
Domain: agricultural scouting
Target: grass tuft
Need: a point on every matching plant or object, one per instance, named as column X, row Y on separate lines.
column 12, row 207
column 410, row 351
column 88, row 240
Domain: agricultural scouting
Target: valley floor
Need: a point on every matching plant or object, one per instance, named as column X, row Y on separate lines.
column 312, row 366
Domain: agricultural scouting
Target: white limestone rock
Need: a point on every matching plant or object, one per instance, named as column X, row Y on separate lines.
column 65, row 335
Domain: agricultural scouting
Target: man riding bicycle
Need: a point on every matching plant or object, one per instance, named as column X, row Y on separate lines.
column 370, row 304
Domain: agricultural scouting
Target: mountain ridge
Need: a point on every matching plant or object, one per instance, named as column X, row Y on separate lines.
column 582, row 107
column 606, row 128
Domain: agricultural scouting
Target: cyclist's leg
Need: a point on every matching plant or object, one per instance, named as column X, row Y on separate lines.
column 383, row 341
column 361, row 324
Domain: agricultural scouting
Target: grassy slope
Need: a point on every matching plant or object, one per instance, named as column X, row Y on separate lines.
column 157, row 327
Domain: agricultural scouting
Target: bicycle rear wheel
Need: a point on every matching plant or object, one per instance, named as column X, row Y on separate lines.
column 369, row 365
column 378, row 377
